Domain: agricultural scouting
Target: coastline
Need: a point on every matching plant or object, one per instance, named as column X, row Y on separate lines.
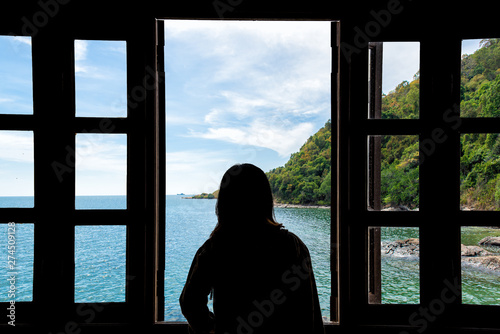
column 301, row 206
column 276, row 204
column 471, row 255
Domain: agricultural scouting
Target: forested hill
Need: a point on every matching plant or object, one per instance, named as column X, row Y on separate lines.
column 480, row 81
column 306, row 177
column 480, row 97
column 480, row 157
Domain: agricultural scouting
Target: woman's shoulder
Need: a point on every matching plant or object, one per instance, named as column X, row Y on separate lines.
column 206, row 249
column 295, row 242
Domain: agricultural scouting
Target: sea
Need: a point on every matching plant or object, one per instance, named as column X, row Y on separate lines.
column 100, row 255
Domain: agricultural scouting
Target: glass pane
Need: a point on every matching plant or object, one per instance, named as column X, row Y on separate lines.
column 394, row 80
column 393, row 173
column 101, row 171
column 260, row 95
column 480, row 171
column 100, row 263
column 16, row 85
column 101, row 78
column 480, row 265
column 480, row 79
column 394, row 268
column 16, row 269
column 16, row 169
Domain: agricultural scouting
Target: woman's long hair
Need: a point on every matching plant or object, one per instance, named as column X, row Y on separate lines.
column 245, row 200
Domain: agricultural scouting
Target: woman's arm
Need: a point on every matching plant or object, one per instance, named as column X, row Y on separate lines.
column 194, row 297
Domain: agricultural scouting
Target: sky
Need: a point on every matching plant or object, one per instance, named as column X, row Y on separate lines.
column 241, row 92
column 400, row 62
column 236, row 92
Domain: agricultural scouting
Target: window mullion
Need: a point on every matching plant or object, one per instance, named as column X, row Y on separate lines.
column 54, row 190
column 160, row 219
column 439, row 168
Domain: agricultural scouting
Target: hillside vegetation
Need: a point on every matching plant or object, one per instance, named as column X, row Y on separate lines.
column 480, row 97
column 306, row 177
column 480, row 157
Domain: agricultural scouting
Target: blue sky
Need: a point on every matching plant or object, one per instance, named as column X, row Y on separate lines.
column 16, row 97
column 241, row 92
column 400, row 61
column 236, row 92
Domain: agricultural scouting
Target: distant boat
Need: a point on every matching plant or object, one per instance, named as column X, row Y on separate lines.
column 181, row 194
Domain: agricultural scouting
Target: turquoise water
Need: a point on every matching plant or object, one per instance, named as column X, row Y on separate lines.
column 100, row 256
column 400, row 274
column 194, row 220
column 480, row 286
column 22, row 268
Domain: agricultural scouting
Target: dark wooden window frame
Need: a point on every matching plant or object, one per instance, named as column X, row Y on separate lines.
column 334, row 309
column 54, row 130
column 54, row 215
column 439, row 212
column 55, row 127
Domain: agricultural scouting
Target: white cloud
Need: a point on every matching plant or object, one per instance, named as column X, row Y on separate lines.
column 401, row 61
column 23, row 40
column 101, row 164
column 101, row 152
column 469, row 46
column 213, row 116
column 82, row 66
column 81, row 47
column 283, row 66
column 6, row 100
column 16, row 146
column 196, row 171
column 278, row 136
column 257, row 89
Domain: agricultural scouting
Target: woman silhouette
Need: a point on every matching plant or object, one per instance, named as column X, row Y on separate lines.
column 259, row 273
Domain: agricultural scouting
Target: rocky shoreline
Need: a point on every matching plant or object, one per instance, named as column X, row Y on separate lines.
column 471, row 255
column 284, row 205
column 407, row 247
column 405, row 208
column 276, row 204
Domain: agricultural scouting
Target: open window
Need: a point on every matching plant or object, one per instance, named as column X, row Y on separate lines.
column 249, row 91
column 392, row 175
column 479, row 172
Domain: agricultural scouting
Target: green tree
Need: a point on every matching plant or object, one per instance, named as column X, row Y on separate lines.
column 306, row 178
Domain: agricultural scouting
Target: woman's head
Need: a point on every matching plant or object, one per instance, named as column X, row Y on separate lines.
column 245, row 197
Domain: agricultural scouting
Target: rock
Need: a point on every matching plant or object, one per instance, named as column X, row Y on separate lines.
column 472, row 255
column 491, row 262
column 473, row 251
column 408, row 247
column 300, row 206
column 490, row 241
column 396, row 208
